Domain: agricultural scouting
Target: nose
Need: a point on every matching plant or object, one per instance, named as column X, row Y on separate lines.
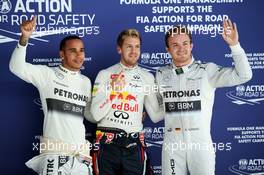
column 180, row 47
column 134, row 49
column 80, row 54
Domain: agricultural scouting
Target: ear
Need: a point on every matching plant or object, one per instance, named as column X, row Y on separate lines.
column 119, row 49
column 61, row 54
column 191, row 46
column 167, row 49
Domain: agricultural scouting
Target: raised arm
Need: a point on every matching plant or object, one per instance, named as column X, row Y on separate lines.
column 18, row 64
column 229, row 76
column 19, row 55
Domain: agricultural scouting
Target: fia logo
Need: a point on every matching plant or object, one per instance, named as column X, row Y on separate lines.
column 148, row 132
column 5, row 6
column 145, row 58
column 243, row 162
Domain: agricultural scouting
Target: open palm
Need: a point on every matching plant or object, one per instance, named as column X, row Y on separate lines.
column 230, row 33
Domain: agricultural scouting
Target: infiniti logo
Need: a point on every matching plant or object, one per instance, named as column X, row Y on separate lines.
column 121, row 114
column 136, row 77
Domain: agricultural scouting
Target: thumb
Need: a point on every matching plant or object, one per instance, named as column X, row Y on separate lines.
column 34, row 20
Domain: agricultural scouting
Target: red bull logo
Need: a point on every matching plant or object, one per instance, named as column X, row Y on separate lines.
column 125, row 107
column 112, row 96
column 113, row 76
column 123, row 96
column 130, row 98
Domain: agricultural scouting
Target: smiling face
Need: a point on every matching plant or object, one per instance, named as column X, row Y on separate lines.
column 73, row 54
column 129, row 51
column 128, row 46
column 180, row 49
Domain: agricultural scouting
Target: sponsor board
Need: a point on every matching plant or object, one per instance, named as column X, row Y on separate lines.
column 152, row 61
column 248, row 166
column 154, row 136
column 53, row 17
column 247, row 134
column 247, row 94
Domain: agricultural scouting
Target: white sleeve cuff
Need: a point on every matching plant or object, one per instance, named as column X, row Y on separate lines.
column 236, row 48
column 20, row 46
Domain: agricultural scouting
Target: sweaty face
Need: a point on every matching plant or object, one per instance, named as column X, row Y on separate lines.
column 180, row 49
column 130, row 51
column 73, row 55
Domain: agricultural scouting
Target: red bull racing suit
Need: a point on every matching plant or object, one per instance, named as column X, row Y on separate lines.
column 119, row 117
column 64, row 95
column 188, row 97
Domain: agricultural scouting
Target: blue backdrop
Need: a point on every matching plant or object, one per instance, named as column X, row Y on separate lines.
column 237, row 124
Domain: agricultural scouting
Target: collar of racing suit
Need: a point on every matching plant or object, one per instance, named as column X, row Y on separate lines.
column 68, row 72
column 183, row 69
column 125, row 68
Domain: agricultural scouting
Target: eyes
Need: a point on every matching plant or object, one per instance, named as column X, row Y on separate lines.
column 177, row 45
column 131, row 46
column 75, row 51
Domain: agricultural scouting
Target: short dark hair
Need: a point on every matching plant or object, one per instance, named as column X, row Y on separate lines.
column 67, row 38
column 179, row 29
column 126, row 33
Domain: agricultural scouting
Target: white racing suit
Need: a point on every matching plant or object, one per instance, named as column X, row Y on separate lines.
column 64, row 95
column 123, row 109
column 119, row 116
column 188, row 97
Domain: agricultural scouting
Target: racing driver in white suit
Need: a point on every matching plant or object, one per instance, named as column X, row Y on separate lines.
column 64, row 93
column 187, row 88
column 119, row 95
